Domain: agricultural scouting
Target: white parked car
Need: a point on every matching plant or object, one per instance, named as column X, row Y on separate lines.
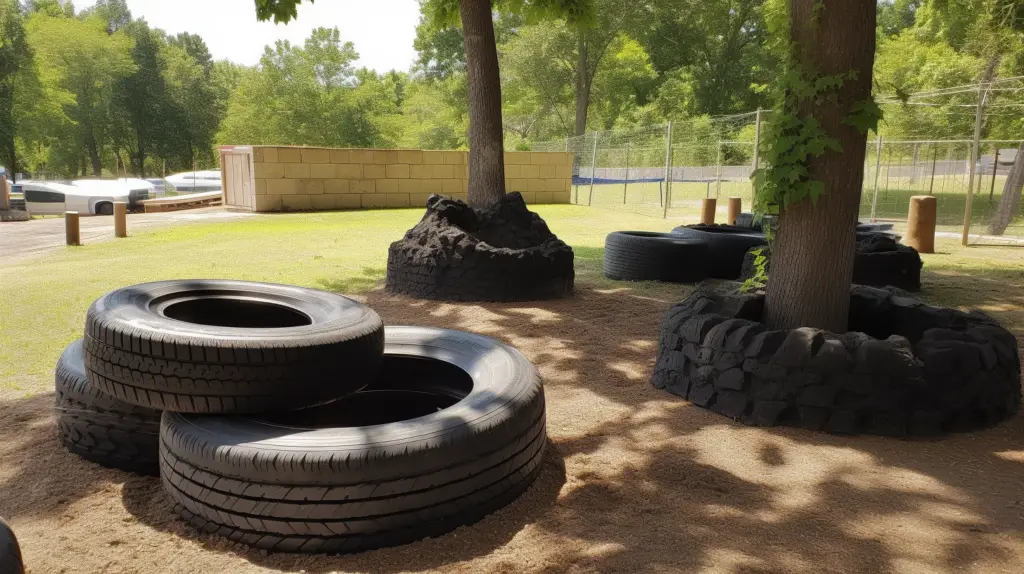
column 46, row 198
column 195, row 181
column 137, row 189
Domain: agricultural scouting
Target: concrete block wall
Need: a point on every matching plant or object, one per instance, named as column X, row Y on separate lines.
column 307, row 178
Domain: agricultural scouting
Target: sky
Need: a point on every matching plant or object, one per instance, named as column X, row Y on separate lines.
column 382, row 30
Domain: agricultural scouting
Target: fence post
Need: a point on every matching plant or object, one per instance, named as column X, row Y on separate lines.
column 935, row 157
column 666, row 198
column 120, row 219
column 757, row 157
column 995, row 169
column 625, row 180
column 593, row 169
column 878, row 169
column 72, row 235
column 982, row 94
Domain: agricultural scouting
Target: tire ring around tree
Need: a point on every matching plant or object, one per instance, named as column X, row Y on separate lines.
column 99, row 427
column 926, row 371
column 727, row 245
column 215, row 346
column 649, row 256
column 318, row 480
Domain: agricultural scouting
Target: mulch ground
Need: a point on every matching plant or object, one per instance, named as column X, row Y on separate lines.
column 637, row 480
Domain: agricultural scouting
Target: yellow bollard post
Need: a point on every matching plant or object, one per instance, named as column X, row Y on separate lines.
column 735, row 207
column 71, row 230
column 921, row 223
column 120, row 219
column 707, row 210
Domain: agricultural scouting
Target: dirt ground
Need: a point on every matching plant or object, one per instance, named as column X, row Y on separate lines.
column 636, row 481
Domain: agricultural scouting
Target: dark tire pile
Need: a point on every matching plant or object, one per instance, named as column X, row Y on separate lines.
column 503, row 253
column 904, row 369
column 290, row 419
column 687, row 255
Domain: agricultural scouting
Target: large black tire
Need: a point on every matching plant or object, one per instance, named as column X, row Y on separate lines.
column 203, row 346
column 648, row 256
column 727, row 245
column 100, row 428
column 10, row 552
column 343, row 488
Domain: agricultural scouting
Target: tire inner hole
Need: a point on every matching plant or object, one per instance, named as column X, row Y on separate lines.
column 222, row 311
column 406, row 388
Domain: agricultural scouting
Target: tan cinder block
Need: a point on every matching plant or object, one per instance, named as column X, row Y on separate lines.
column 340, row 156
column 257, row 154
column 312, row 187
column 386, row 186
column 296, row 170
column 450, row 186
column 377, row 200
column 540, row 158
column 261, row 187
column 323, row 201
column 349, row 201
column 410, row 185
column 442, row 171
column 269, row 170
column 561, row 197
column 282, row 186
column 520, row 185
column 529, row 171
column 398, row 171
column 321, row 170
column 548, row 171
column 411, row 157
column 555, row 185
column 563, row 170
column 397, row 200
column 517, row 158
column 268, row 203
column 513, row 171
column 295, row 202
column 536, row 185
column 433, row 157
column 270, row 154
column 419, row 172
column 418, row 199
column 385, row 156
column 316, row 155
column 529, row 196
column 348, row 171
column 374, row 171
column 456, row 157
column 336, row 186
column 363, row 186
column 543, row 197
column 289, row 155
column 432, row 186
column 361, row 156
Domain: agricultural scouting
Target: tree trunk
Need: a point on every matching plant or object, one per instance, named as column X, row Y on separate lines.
column 94, row 154
column 582, row 86
column 812, row 261
column 8, row 156
column 1009, row 202
column 486, row 143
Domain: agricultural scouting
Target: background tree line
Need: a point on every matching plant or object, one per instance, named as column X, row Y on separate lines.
column 83, row 94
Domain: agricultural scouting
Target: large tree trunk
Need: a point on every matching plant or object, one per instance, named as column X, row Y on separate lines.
column 486, row 144
column 582, row 85
column 1008, row 204
column 812, row 262
column 94, row 154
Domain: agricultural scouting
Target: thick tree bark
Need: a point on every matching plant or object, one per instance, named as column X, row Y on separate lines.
column 812, row 261
column 1010, row 201
column 486, row 143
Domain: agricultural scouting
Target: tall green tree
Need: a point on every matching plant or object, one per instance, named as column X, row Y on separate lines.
column 15, row 64
column 142, row 97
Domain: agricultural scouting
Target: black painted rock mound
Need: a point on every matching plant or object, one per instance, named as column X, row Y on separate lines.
column 457, row 253
column 904, row 369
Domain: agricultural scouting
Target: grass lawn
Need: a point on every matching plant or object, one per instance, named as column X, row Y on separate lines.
column 45, row 298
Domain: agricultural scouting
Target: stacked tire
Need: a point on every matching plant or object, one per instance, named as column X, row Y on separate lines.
column 687, row 255
column 290, row 419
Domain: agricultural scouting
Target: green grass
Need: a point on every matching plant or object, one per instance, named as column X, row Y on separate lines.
column 44, row 299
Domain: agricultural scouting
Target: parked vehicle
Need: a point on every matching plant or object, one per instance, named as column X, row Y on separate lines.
column 47, row 198
column 137, row 189
column 195, row 181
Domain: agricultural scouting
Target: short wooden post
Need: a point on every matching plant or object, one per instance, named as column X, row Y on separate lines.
column 735, row 207
column 71, row 228
column 120, row 219
column 707, row 210
column 921, row 223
